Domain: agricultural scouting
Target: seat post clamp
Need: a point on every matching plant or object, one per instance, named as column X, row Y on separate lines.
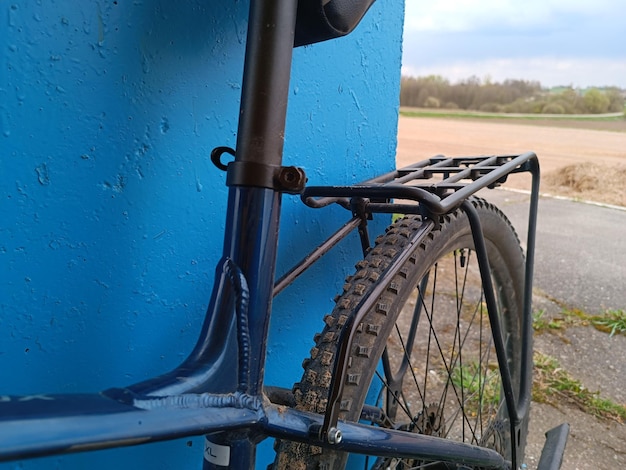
column 286, row 179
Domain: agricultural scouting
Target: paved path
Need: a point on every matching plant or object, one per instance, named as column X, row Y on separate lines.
column 580, row 263
column 581, row 249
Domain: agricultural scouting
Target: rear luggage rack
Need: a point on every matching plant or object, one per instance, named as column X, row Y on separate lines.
column 439, row 184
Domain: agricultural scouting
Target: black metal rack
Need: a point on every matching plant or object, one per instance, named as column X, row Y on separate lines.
column 439, row 184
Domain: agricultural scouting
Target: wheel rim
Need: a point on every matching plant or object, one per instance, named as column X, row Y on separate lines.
column 440, row 361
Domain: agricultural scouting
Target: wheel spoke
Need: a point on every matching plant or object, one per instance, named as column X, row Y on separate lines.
column 472, row 383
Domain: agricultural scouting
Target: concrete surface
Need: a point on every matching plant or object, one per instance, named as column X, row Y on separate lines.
column 580, row 263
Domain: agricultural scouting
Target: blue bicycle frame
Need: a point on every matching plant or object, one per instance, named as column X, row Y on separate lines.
column 218, row 390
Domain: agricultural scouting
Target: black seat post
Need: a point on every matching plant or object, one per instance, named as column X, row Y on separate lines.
column 265, row 87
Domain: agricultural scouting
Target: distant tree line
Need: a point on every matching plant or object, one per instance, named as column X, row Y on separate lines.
column 510, row 96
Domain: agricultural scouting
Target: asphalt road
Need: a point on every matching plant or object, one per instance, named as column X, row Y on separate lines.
column 580, row 263
column 580, row 256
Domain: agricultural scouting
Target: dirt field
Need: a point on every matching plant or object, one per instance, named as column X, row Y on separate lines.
column 579, row 159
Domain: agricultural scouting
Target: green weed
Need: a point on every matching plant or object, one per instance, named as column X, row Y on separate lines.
column 480, row 385
column 613, row 320
column 553, row 385
column 540, row 323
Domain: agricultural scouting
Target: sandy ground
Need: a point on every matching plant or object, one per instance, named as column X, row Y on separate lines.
column 579, row 162
column 589, row 164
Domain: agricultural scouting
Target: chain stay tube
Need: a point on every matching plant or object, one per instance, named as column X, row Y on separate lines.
column 288, row 423
column 152, row 419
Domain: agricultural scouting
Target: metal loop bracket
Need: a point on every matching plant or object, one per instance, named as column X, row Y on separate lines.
column 216, row 156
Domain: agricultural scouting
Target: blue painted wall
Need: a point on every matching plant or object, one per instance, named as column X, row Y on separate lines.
column 112, row 214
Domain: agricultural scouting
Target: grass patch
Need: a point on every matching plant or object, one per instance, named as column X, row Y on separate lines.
column 481, row 387
column 540, row 323
column 553, row 385
column 612, row 322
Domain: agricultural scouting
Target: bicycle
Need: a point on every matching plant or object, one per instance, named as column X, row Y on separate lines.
column 478, row 415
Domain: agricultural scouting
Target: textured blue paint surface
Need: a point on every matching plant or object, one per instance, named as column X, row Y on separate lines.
column 111, row 211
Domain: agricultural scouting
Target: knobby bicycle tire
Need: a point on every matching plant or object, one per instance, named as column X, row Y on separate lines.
column 448, row 384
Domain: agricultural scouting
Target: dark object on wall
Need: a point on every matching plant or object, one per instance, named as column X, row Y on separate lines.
column 319, row 20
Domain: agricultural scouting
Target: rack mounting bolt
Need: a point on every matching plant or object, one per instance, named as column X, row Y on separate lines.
column 334, row 436
column 291, row 179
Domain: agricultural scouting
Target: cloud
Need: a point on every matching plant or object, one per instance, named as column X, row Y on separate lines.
column 476, row 15
column 538, row 36
column 467, row 15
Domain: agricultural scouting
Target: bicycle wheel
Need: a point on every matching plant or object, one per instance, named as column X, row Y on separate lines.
column 426, row 349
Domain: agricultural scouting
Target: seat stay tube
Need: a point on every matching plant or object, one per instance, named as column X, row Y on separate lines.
column 253, row 212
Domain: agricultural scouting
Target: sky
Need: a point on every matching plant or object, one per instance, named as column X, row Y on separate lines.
column 580, row 43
